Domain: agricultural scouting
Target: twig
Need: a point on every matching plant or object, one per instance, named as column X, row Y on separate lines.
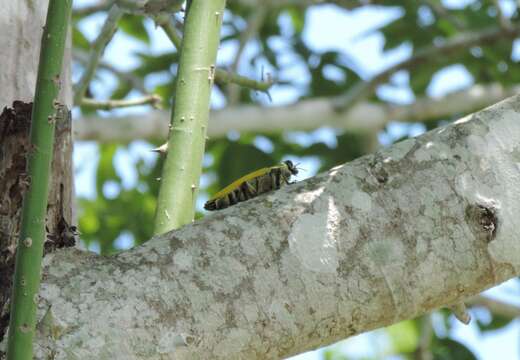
column 164, row 21
column 255, row 21
column 221, row 76
column 92, row 9
column 134, row 7
column 441, row 11
column 153, row 100
column 107, row 32
column 496, row 307
column 505, row 23
column 346, row 4
column 423, row 351
column 136, row 82
column 225, row 77
column 454, row 44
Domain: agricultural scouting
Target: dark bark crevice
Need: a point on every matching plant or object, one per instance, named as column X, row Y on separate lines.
column 14, row 182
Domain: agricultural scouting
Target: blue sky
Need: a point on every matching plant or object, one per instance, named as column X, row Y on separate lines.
column 326, row 29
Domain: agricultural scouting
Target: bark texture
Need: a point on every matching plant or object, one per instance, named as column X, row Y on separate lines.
column 305, row 115
column 23, row 21
column 424, row 223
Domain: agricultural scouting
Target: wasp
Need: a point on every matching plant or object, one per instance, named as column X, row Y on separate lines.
column 253, row 184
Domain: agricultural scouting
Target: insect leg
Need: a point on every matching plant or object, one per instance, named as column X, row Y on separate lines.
column 247, row 190
column 232, row 198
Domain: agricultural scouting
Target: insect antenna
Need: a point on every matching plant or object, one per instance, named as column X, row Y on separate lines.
column 299, row 168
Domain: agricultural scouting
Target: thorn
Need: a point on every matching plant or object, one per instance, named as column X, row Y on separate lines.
column 211, row 75
column 461, row 313
column 163, row 149
column 27, row 242
column 269, row 96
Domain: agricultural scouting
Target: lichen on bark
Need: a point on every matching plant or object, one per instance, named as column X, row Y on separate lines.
column 389, row 236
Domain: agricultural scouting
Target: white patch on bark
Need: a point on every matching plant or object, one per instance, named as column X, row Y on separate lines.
column 313, row 238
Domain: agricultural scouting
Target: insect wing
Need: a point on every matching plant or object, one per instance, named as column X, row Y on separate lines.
column 235, row 184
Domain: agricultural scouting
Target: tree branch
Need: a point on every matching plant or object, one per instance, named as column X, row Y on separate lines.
column 457, row 43
column 305, row 115
column 254, row 23
column 92, row 9
column 189, row 116
column 136, row 82
column 153, row 100
column 221, row 76
column 136, row 6
column 389, row 236
column 107, row 32
column 496, row 307
column 503, row 20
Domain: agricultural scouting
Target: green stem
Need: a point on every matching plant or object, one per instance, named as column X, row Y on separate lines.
column 222, row 77
column 182, row 167
column 32, row 233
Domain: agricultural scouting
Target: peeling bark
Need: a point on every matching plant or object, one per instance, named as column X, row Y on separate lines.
column 14, row 182
column 389, row 236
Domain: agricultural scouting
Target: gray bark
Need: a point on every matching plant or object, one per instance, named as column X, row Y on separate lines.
column 389, row 236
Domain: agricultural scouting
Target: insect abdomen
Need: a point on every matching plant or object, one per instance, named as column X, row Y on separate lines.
column 249, row 189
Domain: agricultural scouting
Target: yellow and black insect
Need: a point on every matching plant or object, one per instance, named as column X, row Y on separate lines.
column 253, row 184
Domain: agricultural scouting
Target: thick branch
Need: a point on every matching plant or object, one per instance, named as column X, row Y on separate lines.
column 305, row 115
column 424, row 223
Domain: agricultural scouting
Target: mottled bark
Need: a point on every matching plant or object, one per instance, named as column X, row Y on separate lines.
column 23, row 22
column 424, row 223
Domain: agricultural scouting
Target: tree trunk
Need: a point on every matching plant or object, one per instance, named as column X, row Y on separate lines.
column 23, row 21
column 389, row 236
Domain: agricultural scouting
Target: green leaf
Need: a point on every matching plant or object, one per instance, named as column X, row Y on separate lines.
column 404, row 336
column 497, row 322
column 297, row 18
column 133, row 25
column 448, row 349
column 79, row 40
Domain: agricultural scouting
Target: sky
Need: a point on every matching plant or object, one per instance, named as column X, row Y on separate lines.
column 326, row 29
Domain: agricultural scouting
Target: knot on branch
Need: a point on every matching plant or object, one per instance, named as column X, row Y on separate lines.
column 483, row 219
